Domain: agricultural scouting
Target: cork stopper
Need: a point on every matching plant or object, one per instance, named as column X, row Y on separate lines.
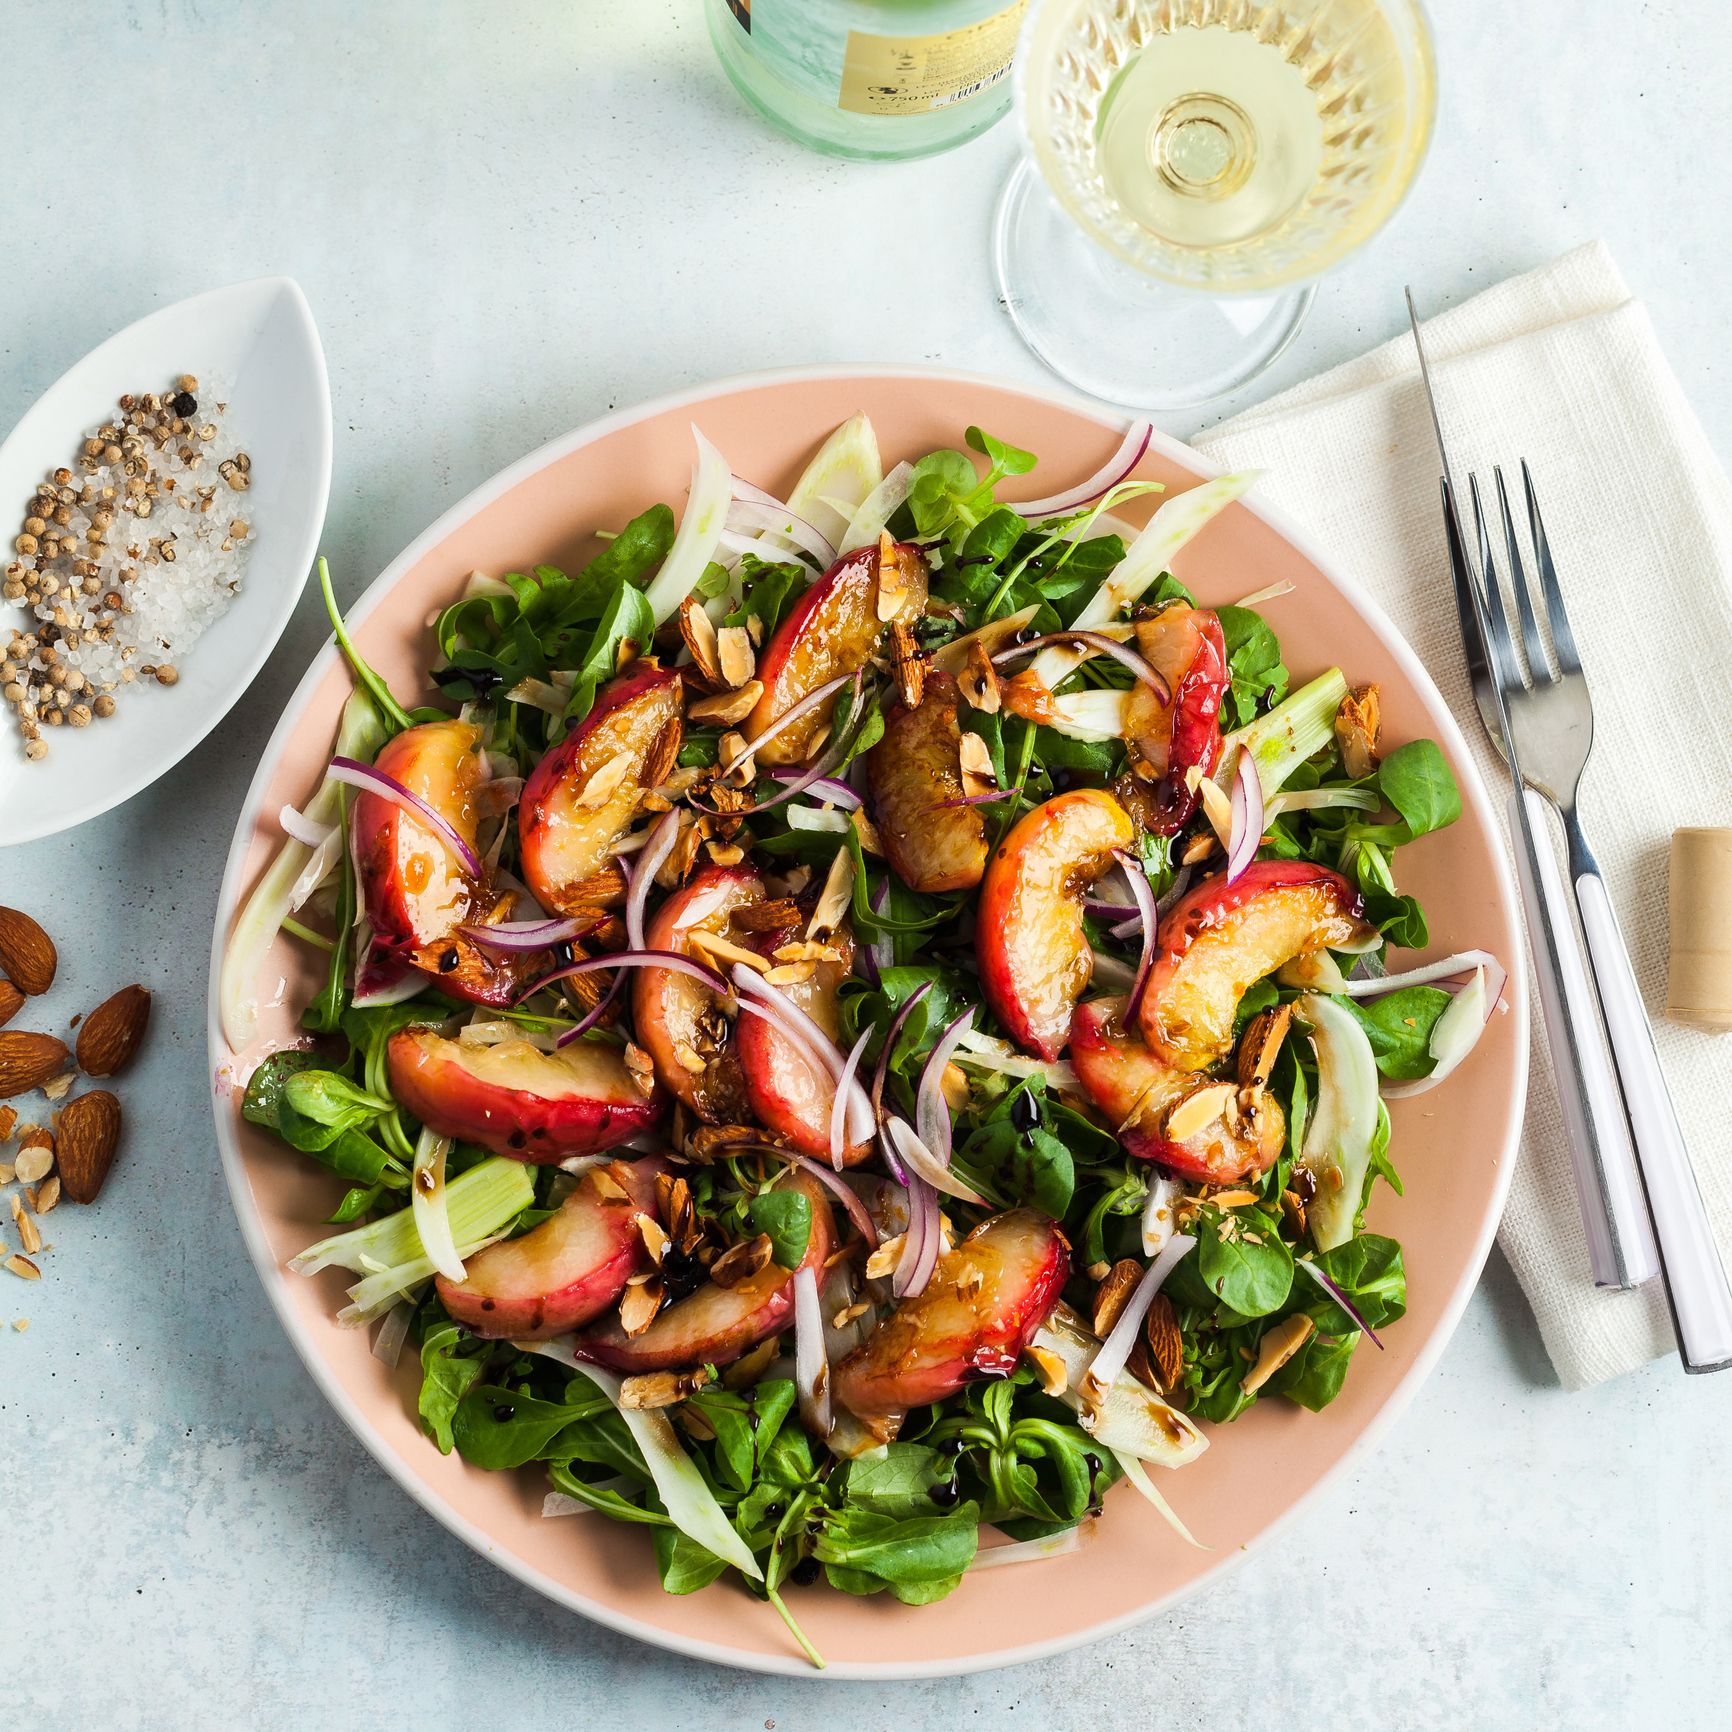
column 1699, row 985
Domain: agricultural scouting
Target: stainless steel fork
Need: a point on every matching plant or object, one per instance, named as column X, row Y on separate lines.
column 1551, row 721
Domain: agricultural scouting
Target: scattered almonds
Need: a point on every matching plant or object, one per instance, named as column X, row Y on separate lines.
column 1112, row 1294
column 979, row 683
column 112, row 1032
column 974, row 757
column 1199, row 1109
column 605, row 781
column 1261, row 1045
column 652, row 1389
column 639, row 1303
column 35, row 1156
column 28, row 1236
column 1278, row 1345
column 741, row 1261
column 1165, row 1342
column 907, row 665
column 699, row 633
column 1054, row 1378
column 726, row 708
column 27, row 955
column 23, row 1268
column 734, row 653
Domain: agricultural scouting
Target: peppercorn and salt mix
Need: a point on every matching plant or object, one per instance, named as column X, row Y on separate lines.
column 124, row 558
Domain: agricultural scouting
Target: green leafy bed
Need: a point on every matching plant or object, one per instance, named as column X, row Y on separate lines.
column 525, row 656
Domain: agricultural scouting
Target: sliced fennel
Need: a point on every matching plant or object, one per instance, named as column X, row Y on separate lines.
column 1131, row 1418
column 700, row 531
column 839, row 479
column 690, row 1503
column 478, row 1204
column 427, row 1198
column 1096, row 715
column 1338, row 1139
column 1298, row 727
column 873, row 512
column 1145, row 559
column 284, row 886
column 1138, row 1475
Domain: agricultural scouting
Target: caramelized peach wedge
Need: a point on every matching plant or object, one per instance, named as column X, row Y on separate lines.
column 937, row 1031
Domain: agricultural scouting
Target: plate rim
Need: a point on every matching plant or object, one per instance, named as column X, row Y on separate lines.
column 477, row 1539
column 267, row 641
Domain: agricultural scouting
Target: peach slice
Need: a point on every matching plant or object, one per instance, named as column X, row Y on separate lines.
column 1220, row 938
column 578, row 802
column 571, row 1268
column 677, row 1019
column 1034, row 957
column 1143, row 1098
column 715, row 1325
column 1185, row 646
column 788, row 1096
column 517, row 1100
column 984, row 1301
column 415, row 890
column 911, row 775
column 833, row 628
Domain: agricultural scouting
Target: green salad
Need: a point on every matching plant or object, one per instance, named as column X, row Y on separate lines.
column 855, row 1022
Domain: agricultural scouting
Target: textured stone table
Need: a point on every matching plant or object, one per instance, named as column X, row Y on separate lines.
column 510, row 217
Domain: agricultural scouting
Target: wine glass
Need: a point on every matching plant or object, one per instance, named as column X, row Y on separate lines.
column 1192, row 166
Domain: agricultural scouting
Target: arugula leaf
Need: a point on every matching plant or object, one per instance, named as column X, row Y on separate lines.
column 1032, row 1166
column 786, row 1215
column 1259, row 677
column 627, row 620
column 504, row 1428
column 636, row 552
column 1399, row 1027
column 451, row 1361
column 1418, row 783
column 685, row 1565
column 768, row 592
column 745, row 1425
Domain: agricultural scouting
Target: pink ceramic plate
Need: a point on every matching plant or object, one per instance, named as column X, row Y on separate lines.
column 1455, row 1147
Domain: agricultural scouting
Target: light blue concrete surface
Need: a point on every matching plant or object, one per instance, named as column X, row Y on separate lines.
column 510, row 217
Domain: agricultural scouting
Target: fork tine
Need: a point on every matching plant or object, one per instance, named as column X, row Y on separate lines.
column 1505, row 668
column 1539, row 665
column 1563, row 639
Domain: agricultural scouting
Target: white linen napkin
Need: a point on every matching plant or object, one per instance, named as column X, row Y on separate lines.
column 1561, row 367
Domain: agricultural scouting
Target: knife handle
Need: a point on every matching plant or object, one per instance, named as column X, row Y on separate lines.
column 1621, row 1249
column 1695, row 1272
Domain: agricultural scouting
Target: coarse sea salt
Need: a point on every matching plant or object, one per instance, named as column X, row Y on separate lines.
column 127, row 555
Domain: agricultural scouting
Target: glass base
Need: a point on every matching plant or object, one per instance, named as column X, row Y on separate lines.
column 1123, row 336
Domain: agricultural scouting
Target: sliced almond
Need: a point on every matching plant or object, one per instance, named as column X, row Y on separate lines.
column 867, row 831
column 907, row 665
column 1357, row 723
column 654, row 1236
column 726, row 708
column 1197, row 1111
column 28, row 1236
column 974, row 757
column 1054, row 1378
column 641, row 1068
column 1217, row 808
column 639, row 1303
column 790, row 973
column 1199, row 848
column 850, row 1314
column 724, row 950
column 805, row 950
column 607, row 1187
column 979, row 683
column 35, row 1157
column 734, row 653
column 953, row 1084
column 1233, row 1199
column 775, row 914
column 732, row 752
column 725, row 853
column 996, row 635
column 652, row 1389
column 741, row 1261
column 1293, row 1208
column 1278, row 1345
column 699, row 633
column 605, row 781
column 660, row 759
column 1112, row 1294
column 8, row 1122
column 834, row 898
column 883, row 1261
column 23, row 1268
column 894, row 577
column 1261, row 1045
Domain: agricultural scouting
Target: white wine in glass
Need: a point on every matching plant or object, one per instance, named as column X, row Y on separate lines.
column 1193, row 165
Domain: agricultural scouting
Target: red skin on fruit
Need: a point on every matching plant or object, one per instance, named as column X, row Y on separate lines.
column 911, row 774
column 932, row 1344
column 1221, row 938
column 1134, row 1091
column 1185, row 646
column 1034, row 957
column 715, row 1325
column 573, row 1266
column 565, row 842
column 670, row 1011
column 531, row 1105
column 832, row 629
column 788, row 1096
column 415, row 890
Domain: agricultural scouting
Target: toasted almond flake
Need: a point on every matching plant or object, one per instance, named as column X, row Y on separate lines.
column 1278, row 1345
column 1217, row 808
column 893, row 578
column 639, row 1303
column 7, row 1172
column 8, row 1121
column 834, row 898
column 23, row 1268
column 720, row 949
column 699, row 633
column 979, row 683
column 660, row 759
column 652, row 1389
column 1199, row 848
column 20, row 1324
column 732, row 751
column 1198, row 1110
column 790, row 973
column 34, row 1162
column 997, row 634
column 868, row 834
column 953, row 1083
column 607, row 1187
column 1054, row 1378
column 1261, row 1044
column 754, row 629
column 46, row 1195
column 689, row 1058
column 1293, row 1207
column 883, row 1261
column 725, row 853
column 1232, row 1199
column 605, row 781
column 654, row 1236
column 726, row 708
column 28, row 1237
column 849, row 1313
column 742, row 1260
column 806, row 950
column 974, row 757
column 1113, row 1292
column 734, row 654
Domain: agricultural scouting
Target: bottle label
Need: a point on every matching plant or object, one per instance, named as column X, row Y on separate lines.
column 894, row 75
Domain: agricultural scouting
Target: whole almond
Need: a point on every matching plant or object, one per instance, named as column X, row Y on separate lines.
column 28, row 1060
column 87, row 1135
column 11, row 1001
column 112, row 1032
column 27, row 955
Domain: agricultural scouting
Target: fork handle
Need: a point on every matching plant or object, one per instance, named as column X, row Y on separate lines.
column 1621, row 1251
column 1696, row 1281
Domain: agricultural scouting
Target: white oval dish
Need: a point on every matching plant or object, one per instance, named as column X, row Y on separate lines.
column 258, row 338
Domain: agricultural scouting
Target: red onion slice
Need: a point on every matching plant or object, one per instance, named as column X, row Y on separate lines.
column 1116, row 469
column 828, row 788
column 844, row 1192
column 839, row 1106
column 811, row 1363
column 1427, row 974
column 1339, row 1297
column 1180, row 884
column 529, row 934
column 753, row 508
column 983, row 799
column 790, row 715
column 631, row 959
column 1106, row 1365
column 922, row 1240
column 880, row 954
column 883, row 1070
column 381, row 980
column 1245, row 834
column 931, row 1113
column 372, row 781
column 1144, row 895
column 594, row 1014
column 1101, row 645
column 806, row 1034
column 919, row 1159
column 649, row 862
